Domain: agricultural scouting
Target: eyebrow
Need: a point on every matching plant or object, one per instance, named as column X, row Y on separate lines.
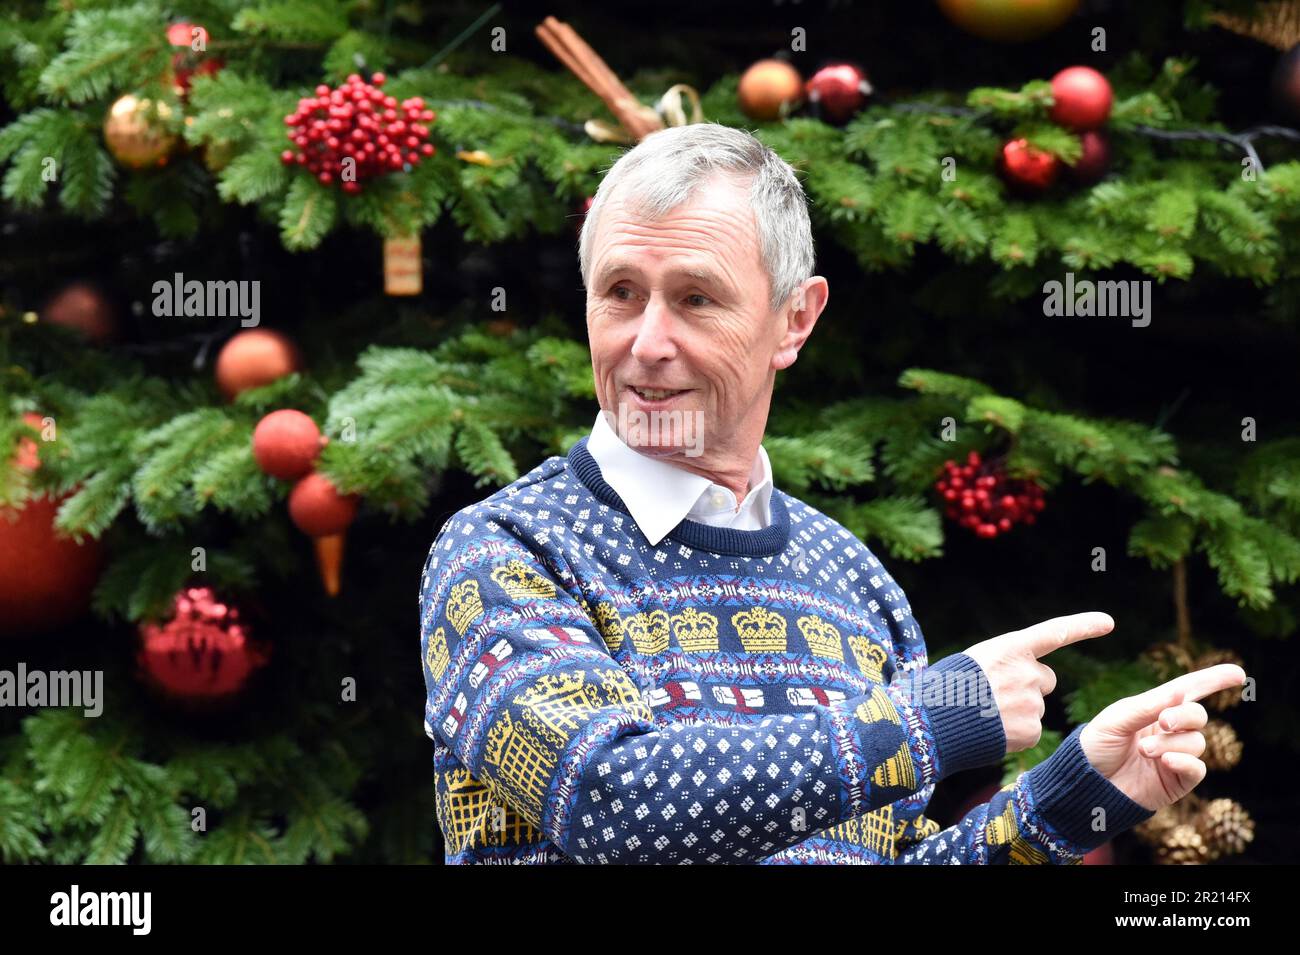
column 704, row 275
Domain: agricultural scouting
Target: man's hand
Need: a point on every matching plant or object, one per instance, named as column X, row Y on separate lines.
column 1019, row 682
column 1167, row 719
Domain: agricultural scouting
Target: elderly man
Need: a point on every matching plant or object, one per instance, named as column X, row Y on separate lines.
column 643, row 651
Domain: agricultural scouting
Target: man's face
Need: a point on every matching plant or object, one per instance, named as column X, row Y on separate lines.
column 680, row 306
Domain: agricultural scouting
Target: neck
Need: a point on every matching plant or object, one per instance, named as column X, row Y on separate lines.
column 728, row 467
column 767, row 542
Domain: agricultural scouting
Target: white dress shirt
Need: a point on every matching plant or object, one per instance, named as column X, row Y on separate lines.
column 660, row 495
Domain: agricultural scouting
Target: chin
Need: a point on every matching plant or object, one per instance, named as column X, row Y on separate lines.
column 657, row 450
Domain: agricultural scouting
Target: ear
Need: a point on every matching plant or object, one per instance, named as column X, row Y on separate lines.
column 800, row 314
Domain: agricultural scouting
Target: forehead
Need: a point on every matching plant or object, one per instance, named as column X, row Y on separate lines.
column 715, row 224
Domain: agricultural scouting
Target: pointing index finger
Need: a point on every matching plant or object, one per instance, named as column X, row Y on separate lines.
column 1042, row 638
column 1145, row 708
column 1201, row 683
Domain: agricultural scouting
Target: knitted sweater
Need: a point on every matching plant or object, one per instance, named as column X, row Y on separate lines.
column 728, row 696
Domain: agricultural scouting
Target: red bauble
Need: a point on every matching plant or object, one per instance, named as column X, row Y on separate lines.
column 286, row 444
column 1027, row 170
column 838, row 91
column 1081, row 98
column 981, row 497
column 352, row 133
column 84, row 308
column 1094, row 161
column 1104, row 854
column 46, row 578
column 581, row 216
column 1286, row 85
column 189, row 62
column 255, row 357
column 203, row 654
column 184, row 34
column 318, row 509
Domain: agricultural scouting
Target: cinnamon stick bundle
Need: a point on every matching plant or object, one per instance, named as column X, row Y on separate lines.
column 585, row 63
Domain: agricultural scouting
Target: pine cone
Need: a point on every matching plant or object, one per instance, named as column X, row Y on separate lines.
column 1168, row 660
column 1224, row 699
column 1222, row 746
column 1277, row 24
column 1156, row 829
column 1183, row 845
column 1225, row 827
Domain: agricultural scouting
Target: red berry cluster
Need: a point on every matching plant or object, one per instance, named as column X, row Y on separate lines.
column 357, row 121
column 981, row 496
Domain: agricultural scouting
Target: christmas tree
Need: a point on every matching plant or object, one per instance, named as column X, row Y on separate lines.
column 288, row 282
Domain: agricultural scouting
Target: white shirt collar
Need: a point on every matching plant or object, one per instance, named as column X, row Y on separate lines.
column 660, row 495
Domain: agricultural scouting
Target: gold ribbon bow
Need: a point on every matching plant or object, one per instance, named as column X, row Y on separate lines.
column 669, row 111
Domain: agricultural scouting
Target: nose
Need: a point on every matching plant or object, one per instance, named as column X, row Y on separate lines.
column 654, row 334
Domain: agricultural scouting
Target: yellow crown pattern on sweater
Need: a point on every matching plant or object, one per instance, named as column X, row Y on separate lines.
column 871, row 657
column 648, row 631
column 464, row 605
column 437, row 658
column 696, row 631
column 609, row 625
column 521, row 582
column 823, row 638
column 760, row 630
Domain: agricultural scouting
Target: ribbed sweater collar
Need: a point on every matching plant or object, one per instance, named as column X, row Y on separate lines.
column 768, row 542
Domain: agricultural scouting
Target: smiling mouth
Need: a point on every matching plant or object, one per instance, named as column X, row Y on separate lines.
column 657, row 394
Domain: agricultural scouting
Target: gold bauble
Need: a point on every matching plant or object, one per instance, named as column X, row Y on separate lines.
column 1009, row 21
column 135, row 134
column 770, row 89
column 217, row 155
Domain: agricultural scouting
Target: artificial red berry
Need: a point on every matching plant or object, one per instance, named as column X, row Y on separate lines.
column 980, row 495
column 359, row 122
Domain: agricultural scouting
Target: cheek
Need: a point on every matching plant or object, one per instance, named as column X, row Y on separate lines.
column 736, row 352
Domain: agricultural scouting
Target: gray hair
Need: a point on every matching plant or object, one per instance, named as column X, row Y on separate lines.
column 663, row 171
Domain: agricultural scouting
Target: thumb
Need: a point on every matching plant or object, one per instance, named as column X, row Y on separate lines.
column 1187, row 768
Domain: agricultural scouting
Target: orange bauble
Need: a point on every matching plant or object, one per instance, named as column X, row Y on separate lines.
column 286, row 444
column 135, row 132
column 1009, row 21
column 46, row 578
column 318, row 509
column 83, row 308
column 28, row 457
column 770, row 89
column 255, row 357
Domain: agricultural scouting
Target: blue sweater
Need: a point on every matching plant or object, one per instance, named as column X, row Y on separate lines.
column 728, row 696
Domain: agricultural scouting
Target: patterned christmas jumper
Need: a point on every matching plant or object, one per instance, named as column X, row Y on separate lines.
column 727, row 696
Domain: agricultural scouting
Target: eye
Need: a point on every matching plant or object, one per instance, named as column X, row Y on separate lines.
column 621, row 288
column 702, row 304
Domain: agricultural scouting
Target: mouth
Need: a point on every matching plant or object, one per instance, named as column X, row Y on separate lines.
column 656, row 396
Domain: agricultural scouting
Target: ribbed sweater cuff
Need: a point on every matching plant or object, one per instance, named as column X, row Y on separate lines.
column 1067, row 790
column 967, row 733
